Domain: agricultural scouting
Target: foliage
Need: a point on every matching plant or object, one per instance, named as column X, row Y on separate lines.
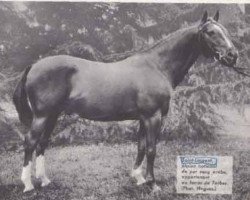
column 72, row 129
column 77, row 49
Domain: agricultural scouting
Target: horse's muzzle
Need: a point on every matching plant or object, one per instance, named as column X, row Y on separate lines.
column 230, row 58
column 233, row 56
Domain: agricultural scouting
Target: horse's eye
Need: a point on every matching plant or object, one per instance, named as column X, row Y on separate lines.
column 210, row 33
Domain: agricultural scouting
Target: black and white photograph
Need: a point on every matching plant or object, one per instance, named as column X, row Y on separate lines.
column 116, row 100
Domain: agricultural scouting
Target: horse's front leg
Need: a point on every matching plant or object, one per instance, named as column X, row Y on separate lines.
column 137, row 169
column 152, row 126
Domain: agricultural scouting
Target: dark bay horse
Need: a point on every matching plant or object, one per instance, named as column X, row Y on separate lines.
column 137, row 88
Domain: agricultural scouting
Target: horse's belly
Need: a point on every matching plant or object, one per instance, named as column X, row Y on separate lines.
column 104, row 108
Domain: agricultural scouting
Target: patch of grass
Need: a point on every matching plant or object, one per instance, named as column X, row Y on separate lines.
column 103, row 171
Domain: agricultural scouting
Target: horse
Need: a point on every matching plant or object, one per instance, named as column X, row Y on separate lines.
column 136, row 88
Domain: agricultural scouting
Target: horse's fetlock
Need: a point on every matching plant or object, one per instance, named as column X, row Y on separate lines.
column 150, row 180
column 39, row 175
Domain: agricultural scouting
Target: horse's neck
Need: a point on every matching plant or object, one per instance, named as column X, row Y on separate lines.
column 177, row 54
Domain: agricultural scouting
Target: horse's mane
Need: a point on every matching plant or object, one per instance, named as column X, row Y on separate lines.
column 176, row 34
column 169, row 37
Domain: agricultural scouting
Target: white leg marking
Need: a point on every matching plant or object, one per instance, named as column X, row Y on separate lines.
column 156, row 188
column 26, row 178
column 40, row 170
column 137, row 174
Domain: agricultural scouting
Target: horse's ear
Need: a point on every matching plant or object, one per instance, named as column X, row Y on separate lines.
column 216, row 16
column 204, row 18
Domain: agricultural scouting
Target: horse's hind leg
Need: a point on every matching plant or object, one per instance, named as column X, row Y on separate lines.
column 31, row 140
column 40, row 149
column 137, row 169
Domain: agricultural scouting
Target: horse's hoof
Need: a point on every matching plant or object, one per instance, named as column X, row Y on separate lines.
column 45, row 182
column 28, row 188
column 137, row 174
column 156, row 188
column 141, row 181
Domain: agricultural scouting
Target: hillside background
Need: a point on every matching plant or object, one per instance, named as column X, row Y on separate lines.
column 113, row 31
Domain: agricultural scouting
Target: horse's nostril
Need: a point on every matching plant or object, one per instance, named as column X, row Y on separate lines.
column 235, row 57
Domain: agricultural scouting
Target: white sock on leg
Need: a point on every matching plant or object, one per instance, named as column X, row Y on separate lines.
column 40, row 170
column 26, row 178
column 137, row 174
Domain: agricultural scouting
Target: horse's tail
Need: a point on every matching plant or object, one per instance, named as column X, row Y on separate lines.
column 20, row 100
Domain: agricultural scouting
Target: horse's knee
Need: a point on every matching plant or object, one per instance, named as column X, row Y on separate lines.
column 151, row 151
column 141, row 147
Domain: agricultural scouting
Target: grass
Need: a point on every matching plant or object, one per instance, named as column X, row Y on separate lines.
column 101, row 171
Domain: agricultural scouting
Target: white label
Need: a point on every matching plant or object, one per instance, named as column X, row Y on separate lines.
column 204, row 174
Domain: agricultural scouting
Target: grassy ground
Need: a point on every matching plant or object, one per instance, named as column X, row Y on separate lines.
column 103, row 171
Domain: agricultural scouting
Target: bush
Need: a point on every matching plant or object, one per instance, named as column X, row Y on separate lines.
column 78, row 49
column 72, row 129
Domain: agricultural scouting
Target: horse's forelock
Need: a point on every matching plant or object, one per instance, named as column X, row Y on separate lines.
column 203, row 27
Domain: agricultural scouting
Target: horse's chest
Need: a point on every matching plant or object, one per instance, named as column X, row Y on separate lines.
column 154, row 95
column 152, row 99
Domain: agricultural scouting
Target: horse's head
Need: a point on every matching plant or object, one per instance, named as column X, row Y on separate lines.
column 215, row 42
